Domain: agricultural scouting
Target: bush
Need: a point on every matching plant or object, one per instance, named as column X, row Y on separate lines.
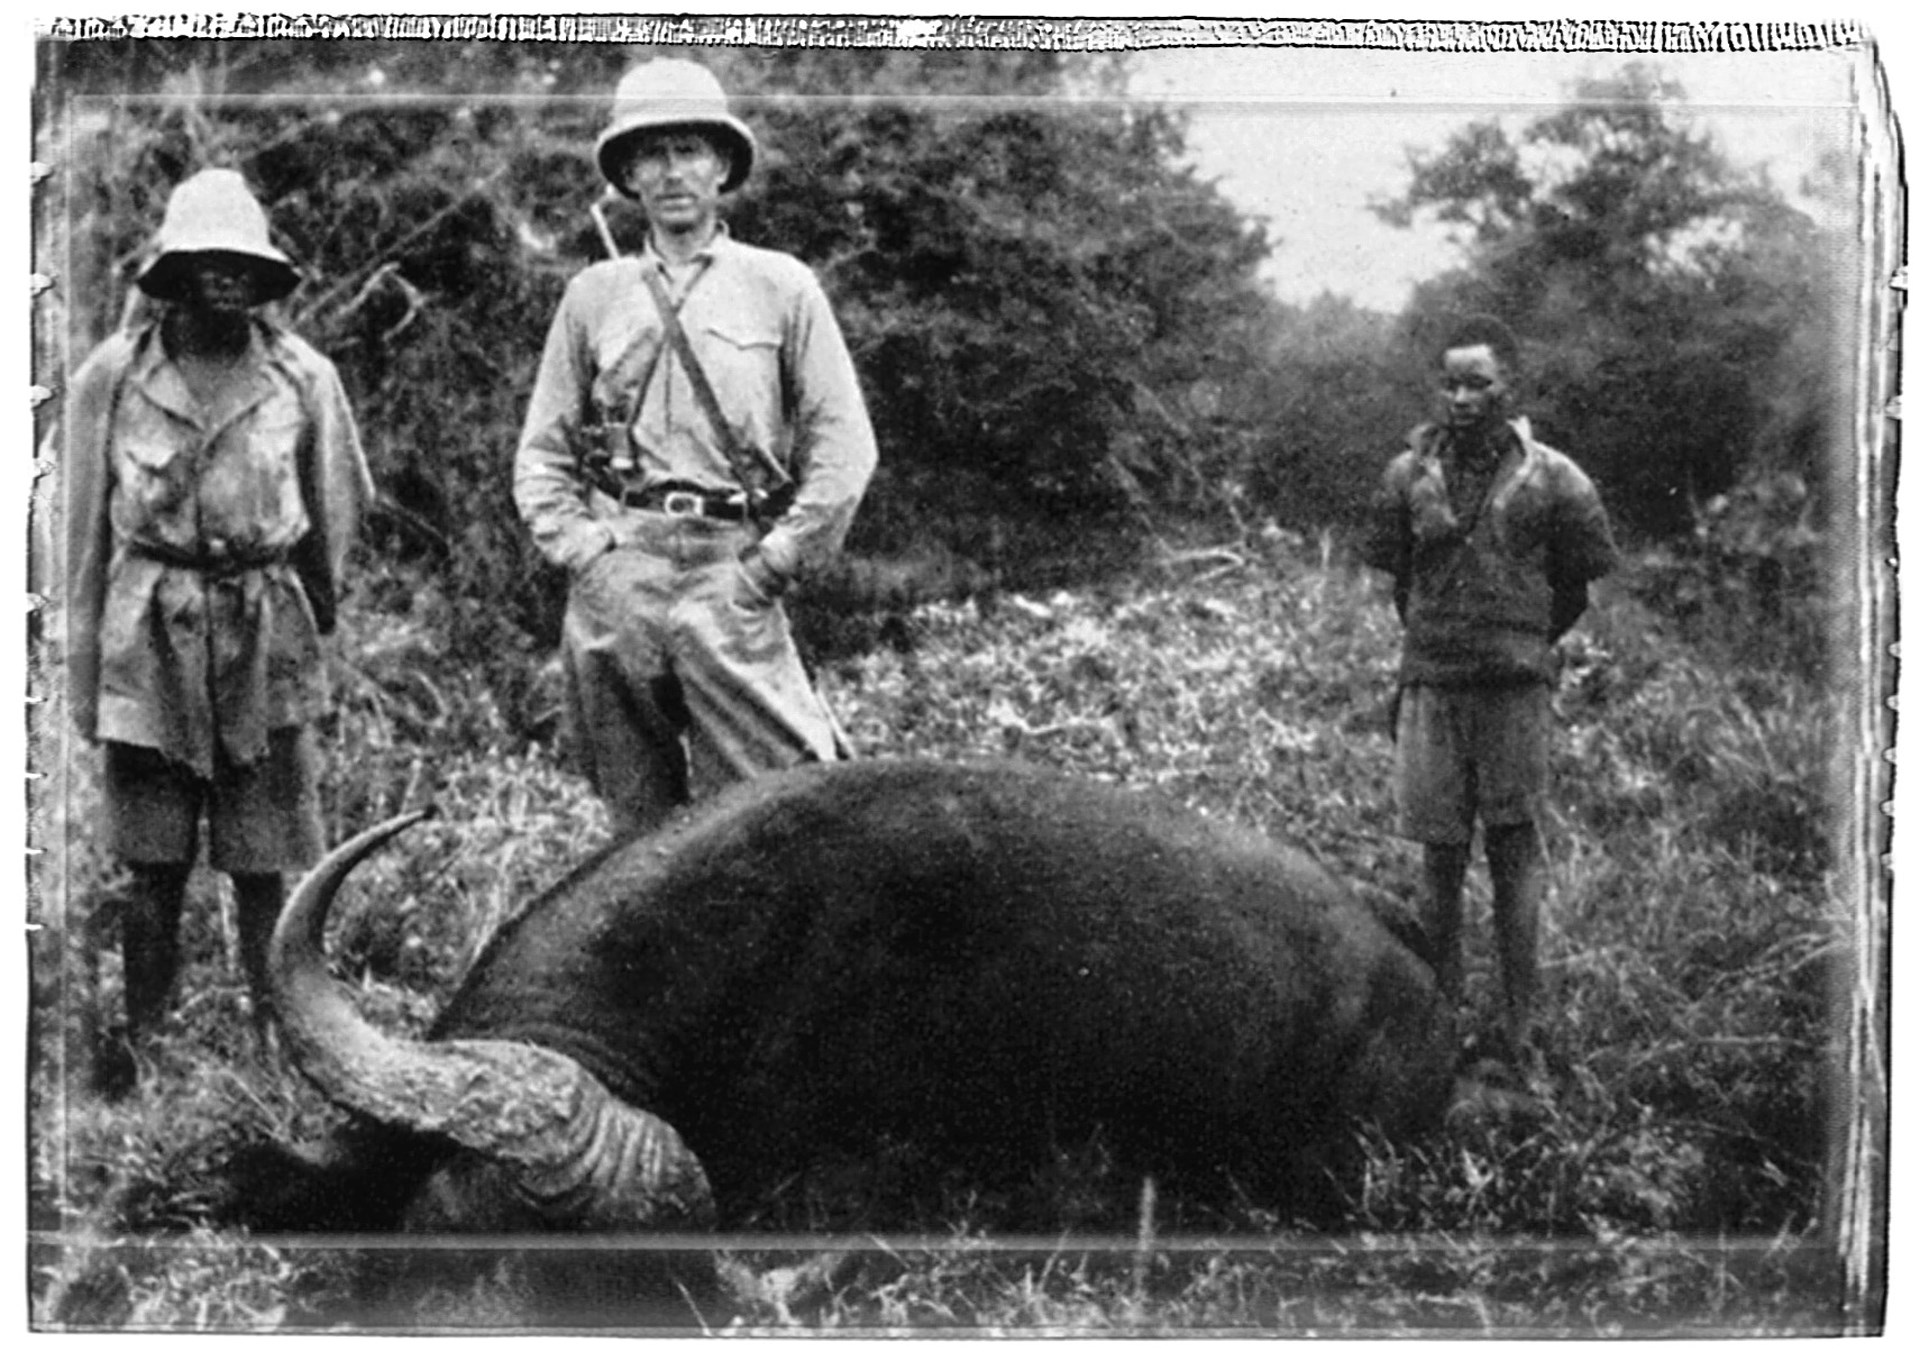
column 1752, row 568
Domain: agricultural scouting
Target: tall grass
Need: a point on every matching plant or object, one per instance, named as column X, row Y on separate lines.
column 1672, row 1182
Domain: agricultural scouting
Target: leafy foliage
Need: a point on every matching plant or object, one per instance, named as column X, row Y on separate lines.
column 1658, row 292
column 1335, row 401
column 1755, row 563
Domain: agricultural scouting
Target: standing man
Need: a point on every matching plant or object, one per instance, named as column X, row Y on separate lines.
column 215, row 480
column 695, row 443
column 1491, row 539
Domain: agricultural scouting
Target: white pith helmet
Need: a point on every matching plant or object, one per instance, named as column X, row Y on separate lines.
column 214, row 212
column 671, row 93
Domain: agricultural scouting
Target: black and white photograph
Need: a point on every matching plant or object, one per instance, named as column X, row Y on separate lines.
column 940, row 676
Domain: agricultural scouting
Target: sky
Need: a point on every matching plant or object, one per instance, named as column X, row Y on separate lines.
column 1306, row 138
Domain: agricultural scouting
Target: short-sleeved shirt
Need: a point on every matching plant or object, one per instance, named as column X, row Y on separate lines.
column 1479, row 557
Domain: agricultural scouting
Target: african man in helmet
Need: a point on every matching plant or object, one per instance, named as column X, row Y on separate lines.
column 695, row 443
column 214, row 480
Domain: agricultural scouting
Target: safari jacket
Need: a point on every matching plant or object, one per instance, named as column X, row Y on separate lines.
column 1479, row 585
column 766, row 337
column 204, row 552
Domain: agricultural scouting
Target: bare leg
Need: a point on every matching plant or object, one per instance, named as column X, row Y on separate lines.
column 1446, row 873
column 150, row 942
column 150, row 959
column 1518, row 867
column 258, row 897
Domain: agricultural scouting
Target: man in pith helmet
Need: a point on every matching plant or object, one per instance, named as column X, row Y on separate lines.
column 686, row 481
column 214, row 479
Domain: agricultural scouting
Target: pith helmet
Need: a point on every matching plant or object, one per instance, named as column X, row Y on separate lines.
column 213, row 212
column 670, row 93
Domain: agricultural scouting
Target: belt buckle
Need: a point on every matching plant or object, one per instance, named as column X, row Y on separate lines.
column 679, row 502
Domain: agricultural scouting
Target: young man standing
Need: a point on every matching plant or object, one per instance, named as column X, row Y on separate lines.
column 1491, row 539
column 696, row 442
column 215, row 480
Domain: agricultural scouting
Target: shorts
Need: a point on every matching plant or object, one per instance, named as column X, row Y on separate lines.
column 1463, row 752
column 262, row 817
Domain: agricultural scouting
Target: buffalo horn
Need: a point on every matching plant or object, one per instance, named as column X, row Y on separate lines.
column 580, row 1155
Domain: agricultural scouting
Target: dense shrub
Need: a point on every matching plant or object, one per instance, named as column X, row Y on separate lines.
column 1751, row 577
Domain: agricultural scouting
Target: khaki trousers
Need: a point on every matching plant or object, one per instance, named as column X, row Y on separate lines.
column 681, row 674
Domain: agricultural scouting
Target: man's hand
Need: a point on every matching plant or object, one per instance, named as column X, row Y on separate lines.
column 760, row 574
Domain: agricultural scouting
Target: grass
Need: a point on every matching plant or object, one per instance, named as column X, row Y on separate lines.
column 1694, row 944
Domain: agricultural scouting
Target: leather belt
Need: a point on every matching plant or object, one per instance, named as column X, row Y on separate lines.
column 213, row 557
column 688, row 502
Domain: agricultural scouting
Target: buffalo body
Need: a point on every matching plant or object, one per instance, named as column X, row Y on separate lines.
column 991, row 964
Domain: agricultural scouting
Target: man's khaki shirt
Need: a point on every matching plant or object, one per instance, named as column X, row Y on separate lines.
column 200, row 540
column 766, row 337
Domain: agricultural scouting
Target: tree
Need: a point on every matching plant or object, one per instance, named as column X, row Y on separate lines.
column 1333, row 405
column 1657, row 289
column 1031, row 288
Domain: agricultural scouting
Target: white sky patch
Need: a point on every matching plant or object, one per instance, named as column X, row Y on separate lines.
column 1683, row 250
column 1551, row 165
column 1305, row 140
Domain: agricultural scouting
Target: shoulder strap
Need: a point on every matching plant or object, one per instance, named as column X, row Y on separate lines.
column 751, row 472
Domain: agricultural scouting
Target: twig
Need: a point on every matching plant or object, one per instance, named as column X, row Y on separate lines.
column 353, row 279
column 385, row 504
column 1221, row 571
column 1219, row 554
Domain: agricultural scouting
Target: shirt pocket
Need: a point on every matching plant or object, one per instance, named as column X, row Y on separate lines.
column 153, row 457
column 272, row 438
column 744, row 356
column 148, row 439
column 250, row 488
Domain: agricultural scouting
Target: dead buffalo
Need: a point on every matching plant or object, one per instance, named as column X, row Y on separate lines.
column 991, row 964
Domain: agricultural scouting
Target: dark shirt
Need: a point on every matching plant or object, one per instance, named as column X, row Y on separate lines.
column 1490, row 560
